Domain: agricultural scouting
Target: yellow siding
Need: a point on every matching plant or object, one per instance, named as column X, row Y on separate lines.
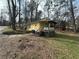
column 35, row 26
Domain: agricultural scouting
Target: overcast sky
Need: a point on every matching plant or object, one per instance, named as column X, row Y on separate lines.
column 3, row 4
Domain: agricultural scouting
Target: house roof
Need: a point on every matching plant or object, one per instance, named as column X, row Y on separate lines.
column 49, row 21
column 43, row 20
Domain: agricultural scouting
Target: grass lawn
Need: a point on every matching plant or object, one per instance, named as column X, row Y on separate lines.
column 66, row 47
column 10, row 31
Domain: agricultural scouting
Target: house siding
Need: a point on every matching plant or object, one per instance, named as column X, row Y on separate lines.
column 34, row 26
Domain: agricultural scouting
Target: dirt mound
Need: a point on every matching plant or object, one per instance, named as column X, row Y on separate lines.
column 26, row 47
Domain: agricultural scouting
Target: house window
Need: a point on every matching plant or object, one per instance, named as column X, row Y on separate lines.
column 46, row 25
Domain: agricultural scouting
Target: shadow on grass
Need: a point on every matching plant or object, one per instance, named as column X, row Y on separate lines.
column 66, row 38
column 12, row 32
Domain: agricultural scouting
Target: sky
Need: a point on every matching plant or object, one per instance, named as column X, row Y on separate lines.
column 3, row 4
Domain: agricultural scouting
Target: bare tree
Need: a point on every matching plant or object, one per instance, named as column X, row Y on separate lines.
column 72, row 13
column 19, row 12
column 12, row 12
column 37, row 3
column 32, row 6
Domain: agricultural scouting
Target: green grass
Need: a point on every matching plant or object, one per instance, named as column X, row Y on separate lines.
column 66, row 47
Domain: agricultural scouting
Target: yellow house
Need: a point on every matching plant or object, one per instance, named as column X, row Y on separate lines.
column 33, row 26
column 39, row 25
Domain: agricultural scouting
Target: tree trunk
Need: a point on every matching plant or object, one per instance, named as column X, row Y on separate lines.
column 36, row 14
column 72, row 13
column 10, row 14
column 19, row 12
column 36, row 17
column 31, row 16
column 13, row 15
